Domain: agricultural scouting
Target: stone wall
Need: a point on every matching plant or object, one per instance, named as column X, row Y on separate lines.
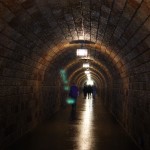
column 35, row 42
column 25, row 100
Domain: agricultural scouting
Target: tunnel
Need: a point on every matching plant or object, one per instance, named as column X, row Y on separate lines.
column 39, row 39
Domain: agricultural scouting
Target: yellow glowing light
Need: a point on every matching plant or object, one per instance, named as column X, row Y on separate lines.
column 81, row 37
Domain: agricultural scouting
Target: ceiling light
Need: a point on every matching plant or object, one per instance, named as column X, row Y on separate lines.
column 87, row 72
column 81, row 52
column 89, row 75
column 86, row 65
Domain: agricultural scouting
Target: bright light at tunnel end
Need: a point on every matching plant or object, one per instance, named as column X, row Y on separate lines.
column 90, row 82
column 88, row 75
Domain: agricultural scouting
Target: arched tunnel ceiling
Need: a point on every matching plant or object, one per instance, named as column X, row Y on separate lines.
column 94, row 69
column 73, row 64
column 47, row 28
column 68, row 59
column 79, row 76
column 40, row 37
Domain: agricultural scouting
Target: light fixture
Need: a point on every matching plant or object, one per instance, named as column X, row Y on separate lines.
column 82, row 52
column 89, row 75
column 87, row 71
column 86, row 65
column 81, row 37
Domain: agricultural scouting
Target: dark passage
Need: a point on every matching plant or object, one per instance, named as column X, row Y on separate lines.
column 92, row 128
column 46, row 45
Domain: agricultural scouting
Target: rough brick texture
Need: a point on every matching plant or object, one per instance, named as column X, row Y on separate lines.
column 39, row 37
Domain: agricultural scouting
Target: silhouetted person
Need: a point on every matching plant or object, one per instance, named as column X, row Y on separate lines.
column 89, row 90
column 94, row 91
column 85, row 91
column 73, row 93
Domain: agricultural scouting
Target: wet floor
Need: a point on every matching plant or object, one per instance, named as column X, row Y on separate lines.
column 91, row 128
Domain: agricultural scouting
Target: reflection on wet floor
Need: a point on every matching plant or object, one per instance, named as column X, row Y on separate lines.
column 85, row 134
column 90, row 127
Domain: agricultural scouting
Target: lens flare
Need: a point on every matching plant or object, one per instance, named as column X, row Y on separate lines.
column 66, row 88
column 70, row 101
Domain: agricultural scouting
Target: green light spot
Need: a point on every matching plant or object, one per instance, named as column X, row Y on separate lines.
column 63, row 76
column 62, row 71
column 70, row 101
column 66, row 88
column 65, row 81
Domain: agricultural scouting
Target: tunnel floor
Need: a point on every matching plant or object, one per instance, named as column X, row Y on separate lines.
column 91, row 128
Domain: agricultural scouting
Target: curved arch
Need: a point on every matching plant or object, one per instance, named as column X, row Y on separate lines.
column 82, row 70
column 79, row 74
column 82, row 79
column 112, row 55
column 74, row 62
